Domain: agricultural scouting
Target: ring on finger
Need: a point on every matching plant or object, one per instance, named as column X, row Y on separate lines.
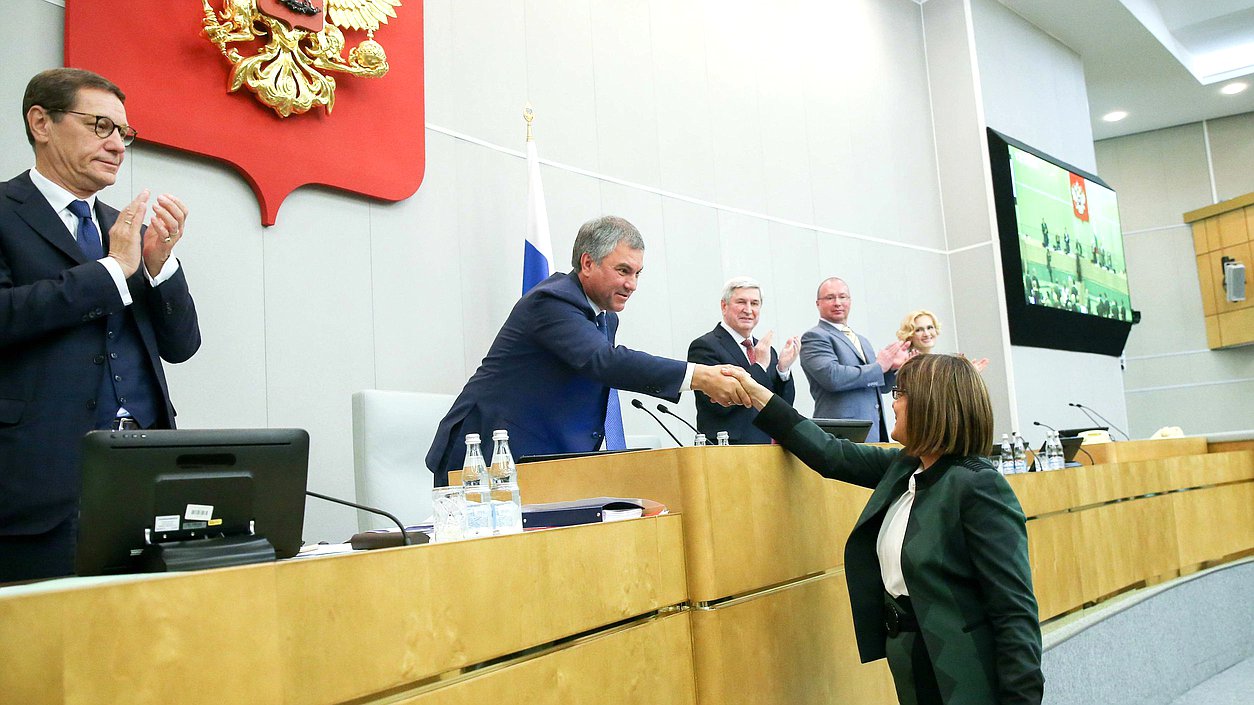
column 167, row 239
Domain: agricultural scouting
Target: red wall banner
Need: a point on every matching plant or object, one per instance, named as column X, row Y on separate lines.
column 373, row 141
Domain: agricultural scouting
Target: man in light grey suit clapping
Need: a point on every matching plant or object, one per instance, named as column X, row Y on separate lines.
column 847, row 377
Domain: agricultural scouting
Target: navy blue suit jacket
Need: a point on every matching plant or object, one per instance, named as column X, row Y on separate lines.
column 717, row 348
column 546, row 379
column 53, row 306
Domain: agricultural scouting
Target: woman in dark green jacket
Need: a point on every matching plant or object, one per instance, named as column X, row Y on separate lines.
column 937, row 564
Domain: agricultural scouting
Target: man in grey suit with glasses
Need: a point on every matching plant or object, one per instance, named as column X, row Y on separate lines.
column 847, row 377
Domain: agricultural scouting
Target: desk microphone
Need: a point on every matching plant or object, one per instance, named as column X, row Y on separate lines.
column 662, row 408
column 1038, row 423
column 636, row 403
column 1087, row 409
column 364, row 508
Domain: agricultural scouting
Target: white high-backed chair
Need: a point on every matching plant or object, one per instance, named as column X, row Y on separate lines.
column 391, row 434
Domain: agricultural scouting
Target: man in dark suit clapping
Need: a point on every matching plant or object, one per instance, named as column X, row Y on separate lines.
column 732, row 342
column 91, row 302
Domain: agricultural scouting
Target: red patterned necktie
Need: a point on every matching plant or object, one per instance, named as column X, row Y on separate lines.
column 750, row 351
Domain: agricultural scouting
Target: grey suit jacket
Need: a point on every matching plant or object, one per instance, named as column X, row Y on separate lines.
column 842, row 385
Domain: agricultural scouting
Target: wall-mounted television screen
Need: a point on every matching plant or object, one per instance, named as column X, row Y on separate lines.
column 1066, row 279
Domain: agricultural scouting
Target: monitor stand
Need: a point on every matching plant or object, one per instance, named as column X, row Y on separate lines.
column 202, row 553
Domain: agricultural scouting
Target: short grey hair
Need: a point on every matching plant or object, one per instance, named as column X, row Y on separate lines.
column 740, row 283
column 599, row 236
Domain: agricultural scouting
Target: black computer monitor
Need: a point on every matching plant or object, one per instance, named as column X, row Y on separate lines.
column 855, row 430
column 203, row 489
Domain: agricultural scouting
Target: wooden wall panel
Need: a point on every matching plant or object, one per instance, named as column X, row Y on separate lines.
column 789, row 647
column 1224, row 230
column 401, row 615
column 1214, row 522
column 649, row 663
column 1057, row 551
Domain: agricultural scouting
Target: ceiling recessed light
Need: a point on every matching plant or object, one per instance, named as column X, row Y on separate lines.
column 1234, row 88
column 1115, row 115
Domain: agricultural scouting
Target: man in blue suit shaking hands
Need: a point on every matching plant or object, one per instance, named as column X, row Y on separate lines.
column 552, row 370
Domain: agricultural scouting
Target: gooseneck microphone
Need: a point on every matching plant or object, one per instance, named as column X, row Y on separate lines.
column 636, row 403
column 1038, row 423
column 1087, row 409
column 364, row 508
column 662, row 408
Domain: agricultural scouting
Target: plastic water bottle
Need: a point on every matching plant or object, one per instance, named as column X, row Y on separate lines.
column 699, row 440
column 1006, row 463
column 1054, row 454
column 477, row 489
column 1020, row 454
column 506, row 500
column 723, row 439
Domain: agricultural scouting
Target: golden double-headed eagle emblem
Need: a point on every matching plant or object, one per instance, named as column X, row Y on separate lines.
column 304, row 45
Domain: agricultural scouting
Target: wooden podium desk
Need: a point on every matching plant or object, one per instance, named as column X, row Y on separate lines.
column 1098, row 530
column 592, row 619
column 737, row 598
column 764, row 541
column 764, row 538
column 1128, row 451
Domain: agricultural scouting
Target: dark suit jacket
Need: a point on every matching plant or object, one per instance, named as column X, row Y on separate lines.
column 718, row 347
column 964, row 558
column 842, row 385
column 546, row 379
column 53, row 306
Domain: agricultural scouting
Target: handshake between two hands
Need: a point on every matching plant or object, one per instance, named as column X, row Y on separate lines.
column 730, row 385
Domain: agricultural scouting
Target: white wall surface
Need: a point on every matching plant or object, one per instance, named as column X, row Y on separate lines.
column 1033, row 90
column 1172, row 378
column 742, row 138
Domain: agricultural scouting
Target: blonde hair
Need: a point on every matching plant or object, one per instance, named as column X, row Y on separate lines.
column 947, row 407
column 907, row 324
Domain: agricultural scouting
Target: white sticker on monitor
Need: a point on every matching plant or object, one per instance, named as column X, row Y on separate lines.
column 198, row 512
column 169, row 522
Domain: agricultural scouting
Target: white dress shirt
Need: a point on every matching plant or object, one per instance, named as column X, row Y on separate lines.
column 891, row 537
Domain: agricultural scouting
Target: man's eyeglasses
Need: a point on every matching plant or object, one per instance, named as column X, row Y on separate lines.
column 897, row 392
column 105, row 126
column 830, row 298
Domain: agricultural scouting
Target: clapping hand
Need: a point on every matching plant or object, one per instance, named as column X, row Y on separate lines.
column 762, row 351
column 894, row 355
column 169, row 215
column 788, row 354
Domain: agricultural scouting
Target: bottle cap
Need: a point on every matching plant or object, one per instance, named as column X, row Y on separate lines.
column 500, row 434
column 722, row 434
column 472, row 438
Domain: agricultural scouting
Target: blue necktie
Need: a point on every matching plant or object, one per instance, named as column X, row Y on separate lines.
column 87, row 235
column 615, row 439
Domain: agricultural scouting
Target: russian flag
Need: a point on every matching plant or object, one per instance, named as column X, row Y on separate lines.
column 538, row 249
